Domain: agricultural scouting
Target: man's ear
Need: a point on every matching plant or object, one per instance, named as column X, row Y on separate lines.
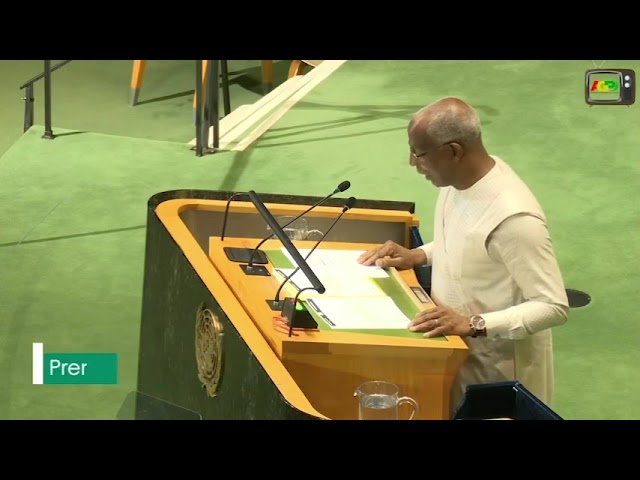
column 458, row 150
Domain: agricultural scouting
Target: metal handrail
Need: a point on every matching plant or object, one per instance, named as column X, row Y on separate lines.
column 29, row 98
column 207, row 115
column 41, row 76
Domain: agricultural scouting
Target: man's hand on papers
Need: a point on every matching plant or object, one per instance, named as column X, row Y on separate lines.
column 440, row 321
column 393, row 255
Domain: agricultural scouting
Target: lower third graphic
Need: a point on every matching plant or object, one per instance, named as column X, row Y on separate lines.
column 74, row 368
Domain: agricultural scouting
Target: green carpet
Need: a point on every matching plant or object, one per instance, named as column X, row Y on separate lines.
column 72, row 242
column 72, row 252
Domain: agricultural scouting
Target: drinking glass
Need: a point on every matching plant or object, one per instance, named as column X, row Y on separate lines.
column 296, row 230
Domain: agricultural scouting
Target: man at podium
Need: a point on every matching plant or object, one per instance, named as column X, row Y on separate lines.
column 495, row 278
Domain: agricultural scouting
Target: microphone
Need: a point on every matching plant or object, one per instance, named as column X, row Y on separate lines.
column 276, row 303
column 247, row 255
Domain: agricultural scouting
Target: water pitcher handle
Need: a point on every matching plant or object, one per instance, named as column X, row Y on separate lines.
column 413, row 403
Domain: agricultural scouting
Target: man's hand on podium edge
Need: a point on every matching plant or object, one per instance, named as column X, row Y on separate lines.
column 393, row 255
column 441, row 320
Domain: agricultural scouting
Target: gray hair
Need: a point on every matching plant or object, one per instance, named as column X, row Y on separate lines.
column 457, row 122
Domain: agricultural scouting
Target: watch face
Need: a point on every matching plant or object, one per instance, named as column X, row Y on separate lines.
column 478, row 323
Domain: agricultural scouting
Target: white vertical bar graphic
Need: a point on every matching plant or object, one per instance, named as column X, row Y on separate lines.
column 38, row 363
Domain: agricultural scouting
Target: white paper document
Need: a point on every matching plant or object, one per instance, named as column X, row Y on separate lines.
column 359, row 313
column 335, row 284
column 338, row 271
column 338, row 260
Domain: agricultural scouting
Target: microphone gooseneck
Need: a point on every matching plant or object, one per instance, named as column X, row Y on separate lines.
column 226, row 213
column 348, row 205
column 343, row 186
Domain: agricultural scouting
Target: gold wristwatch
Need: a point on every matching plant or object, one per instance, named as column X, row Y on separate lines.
column 478, row 325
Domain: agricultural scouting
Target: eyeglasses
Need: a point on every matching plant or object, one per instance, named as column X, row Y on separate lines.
column 417, row 156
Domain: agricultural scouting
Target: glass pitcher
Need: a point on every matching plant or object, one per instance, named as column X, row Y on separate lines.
column 298, row 229
column 379, row 401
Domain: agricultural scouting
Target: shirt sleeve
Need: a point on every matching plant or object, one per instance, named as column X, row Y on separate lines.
column 427, row 248
column 523, row 244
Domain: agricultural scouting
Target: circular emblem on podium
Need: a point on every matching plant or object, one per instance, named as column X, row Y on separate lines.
column 209, row 335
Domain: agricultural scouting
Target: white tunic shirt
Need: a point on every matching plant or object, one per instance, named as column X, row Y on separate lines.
column 492, row 255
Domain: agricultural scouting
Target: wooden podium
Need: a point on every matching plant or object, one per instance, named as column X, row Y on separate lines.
column 208, row 339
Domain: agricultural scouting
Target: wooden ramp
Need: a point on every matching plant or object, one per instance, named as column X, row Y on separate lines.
column 247, row 123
